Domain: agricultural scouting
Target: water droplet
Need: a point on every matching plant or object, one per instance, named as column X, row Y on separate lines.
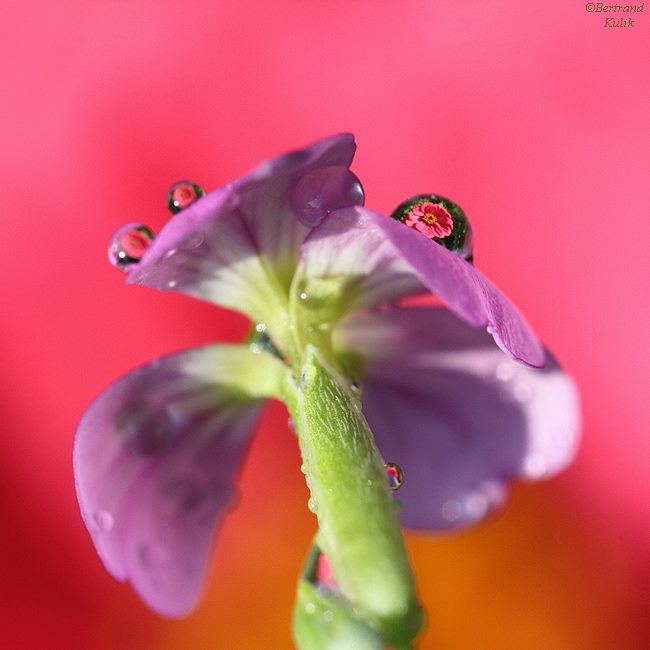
column 194, row 241
column 310, row 608
column 128, row 245
column 260, row 327
column 475, row 505
column 322, row 191
column 304, row 295
column 153, row 556
column 303, row 469
column 452, row 510
column 535, row 466
column 440, row 219
column 183, row 194
column 522, row 392
column 145, row 429
column 311, row 504
column 104, row 520
column 504, row 372
column 395, row 476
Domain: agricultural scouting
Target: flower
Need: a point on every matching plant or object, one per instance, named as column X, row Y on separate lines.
column 430, row 219
column 290, row 245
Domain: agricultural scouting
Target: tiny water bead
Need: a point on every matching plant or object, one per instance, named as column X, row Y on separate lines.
column 128, row 245
column 395, row 476
column 104, row 520
column 183, row 194
column 439, row 219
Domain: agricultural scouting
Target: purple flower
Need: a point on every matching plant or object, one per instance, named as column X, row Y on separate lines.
column 156, row 455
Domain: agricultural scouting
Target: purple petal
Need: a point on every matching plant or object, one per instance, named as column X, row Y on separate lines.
column 238, row 246
column 385, row 259
column 155, row 458
column 459, row 416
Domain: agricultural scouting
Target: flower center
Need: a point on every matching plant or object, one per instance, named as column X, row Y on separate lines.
column 429, row 218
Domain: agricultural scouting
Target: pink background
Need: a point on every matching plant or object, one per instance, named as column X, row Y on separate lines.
column 533, row 116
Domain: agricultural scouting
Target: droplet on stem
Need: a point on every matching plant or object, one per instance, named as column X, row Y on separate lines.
column 395, row 476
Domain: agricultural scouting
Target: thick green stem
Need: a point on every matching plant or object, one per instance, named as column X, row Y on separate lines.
column 359, row 531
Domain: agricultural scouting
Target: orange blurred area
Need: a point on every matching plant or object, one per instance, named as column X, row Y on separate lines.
column 533, row 117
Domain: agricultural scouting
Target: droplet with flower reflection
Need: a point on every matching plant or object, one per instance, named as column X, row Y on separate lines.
column 439, row 219
column 395, row 476
column 128, row 245
column 183, row 194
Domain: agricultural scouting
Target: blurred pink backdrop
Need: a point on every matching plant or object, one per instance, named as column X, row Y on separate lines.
column 532, row 116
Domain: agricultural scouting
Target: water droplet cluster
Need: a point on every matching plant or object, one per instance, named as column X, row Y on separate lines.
column 129, row 244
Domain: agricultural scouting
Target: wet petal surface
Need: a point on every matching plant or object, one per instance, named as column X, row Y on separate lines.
column 459, row 416
column 155, row 458
column 238, row 246
column 382, row 259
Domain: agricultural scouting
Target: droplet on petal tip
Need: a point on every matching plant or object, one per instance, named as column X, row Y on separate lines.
column 128, row 245
column 183, row 194
column 439, row 219
column 395, row 476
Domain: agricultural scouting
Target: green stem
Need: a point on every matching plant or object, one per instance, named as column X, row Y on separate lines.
column 359, row 531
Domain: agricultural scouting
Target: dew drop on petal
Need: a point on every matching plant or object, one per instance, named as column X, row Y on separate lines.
column 395, row 476
column 183, row 194
column 504, row 372
column 319, row 192
column 311, row 504
column 128, row 245
column 153, row 556
column 104, row 520
column 439, row 219
column 535, row 466
column 522, row 392
column 452, row 510
column 475, row 505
